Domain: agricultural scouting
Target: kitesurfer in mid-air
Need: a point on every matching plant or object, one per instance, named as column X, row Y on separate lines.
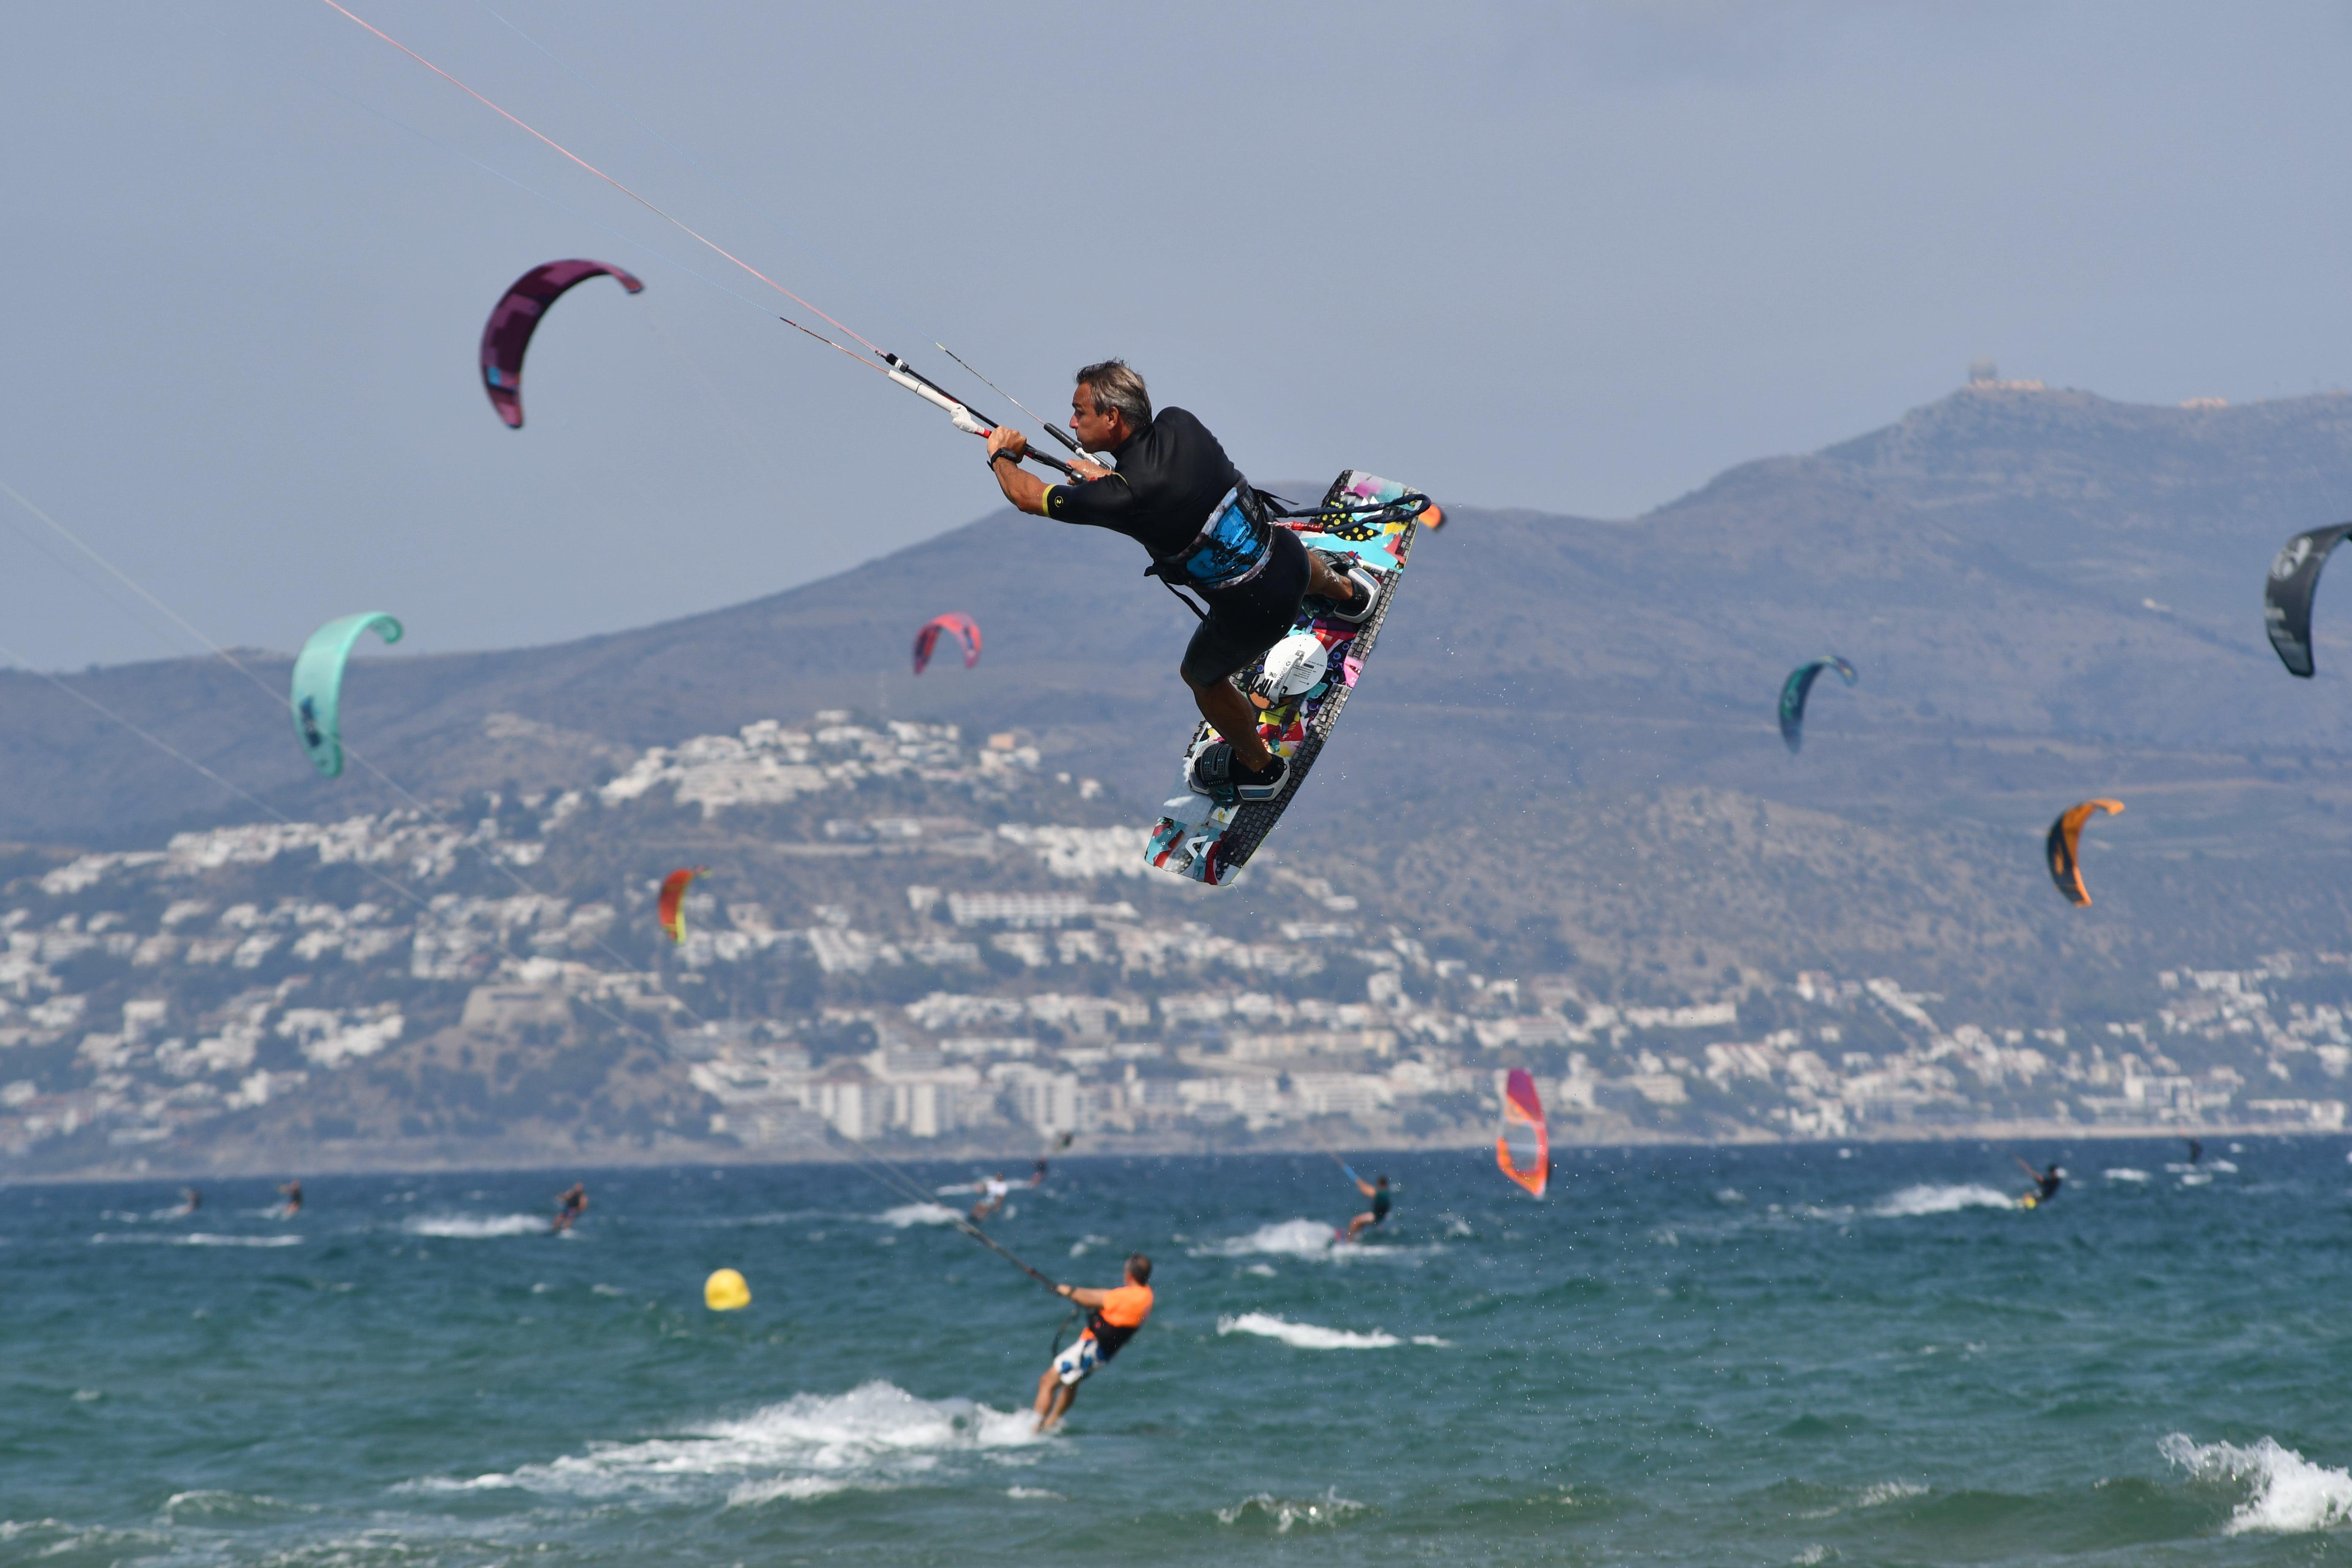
column 1177, row 494
column 1377, row 1189
column 1116, row 1314
column 2046, row 1183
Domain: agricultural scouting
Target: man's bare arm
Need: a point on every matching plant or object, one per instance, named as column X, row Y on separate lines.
column 1086, row 1297
column 1025, row 489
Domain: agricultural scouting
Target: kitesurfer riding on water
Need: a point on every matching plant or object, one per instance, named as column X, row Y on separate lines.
column 2046, row 1183
column 1378, row 1214
column 1177, row 494
column 1116, row 1315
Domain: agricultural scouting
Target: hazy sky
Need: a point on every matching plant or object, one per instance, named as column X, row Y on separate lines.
column 1577, row 257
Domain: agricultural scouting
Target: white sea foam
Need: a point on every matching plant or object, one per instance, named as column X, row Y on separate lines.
column 875, row 1437
column 2197, row 1179
column 2287, row 1493
column 905, row 1215
column 2125, row 1174
column 796, row 1489
column 1034, row 1494
column 1888, row 1491
column 473, row 1227
column 1933, row 1197
column 1304, row 1238
column 1287, row 1238
column 1305, row 1336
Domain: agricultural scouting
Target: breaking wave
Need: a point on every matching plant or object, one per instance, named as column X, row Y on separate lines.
column 905, row 1215
column 2287, row 1494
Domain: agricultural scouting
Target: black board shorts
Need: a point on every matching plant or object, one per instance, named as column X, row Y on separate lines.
column 1245, row 621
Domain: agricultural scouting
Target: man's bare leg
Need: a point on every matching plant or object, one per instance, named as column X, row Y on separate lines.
column 1223, row 705
column 1322, row 583
column 1045, row 1396
column 1063, row 1397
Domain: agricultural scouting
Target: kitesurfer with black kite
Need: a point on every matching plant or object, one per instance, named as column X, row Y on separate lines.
column 1177, row 494
column 1115, row 1317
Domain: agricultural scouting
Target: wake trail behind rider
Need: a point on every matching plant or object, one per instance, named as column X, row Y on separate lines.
column 1177, row 494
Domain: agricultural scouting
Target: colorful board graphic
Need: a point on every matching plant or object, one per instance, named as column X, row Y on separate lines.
column 1209, row 843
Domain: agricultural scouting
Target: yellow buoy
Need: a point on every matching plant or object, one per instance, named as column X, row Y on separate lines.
column 725, row 1290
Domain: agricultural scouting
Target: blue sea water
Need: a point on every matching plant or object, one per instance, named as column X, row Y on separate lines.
column 1794, row 1355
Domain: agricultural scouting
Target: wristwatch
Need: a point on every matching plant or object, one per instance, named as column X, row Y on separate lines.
column 996, row 458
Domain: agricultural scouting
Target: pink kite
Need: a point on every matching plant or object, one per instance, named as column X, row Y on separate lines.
column 928, row 638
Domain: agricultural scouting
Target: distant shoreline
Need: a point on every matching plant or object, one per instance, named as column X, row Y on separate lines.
column 396, row 1161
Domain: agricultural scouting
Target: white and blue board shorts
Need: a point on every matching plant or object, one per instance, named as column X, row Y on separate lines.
column 1079, row 1362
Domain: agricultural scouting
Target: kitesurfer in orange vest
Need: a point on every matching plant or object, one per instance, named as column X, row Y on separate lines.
column 1116, row 1314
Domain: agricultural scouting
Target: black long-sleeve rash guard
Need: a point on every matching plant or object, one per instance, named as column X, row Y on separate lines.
column 1170, row 475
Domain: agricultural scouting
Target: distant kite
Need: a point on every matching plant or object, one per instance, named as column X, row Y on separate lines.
column 516, row 317
column 927, row 639
column 672, row 907
column 1523, row 1148
column 1798, row 686
column 317, row 696
column 2065, row 839
column 2287, row 597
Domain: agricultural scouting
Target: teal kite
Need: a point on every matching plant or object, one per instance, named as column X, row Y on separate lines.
column 317, row 695
column 1798, row 686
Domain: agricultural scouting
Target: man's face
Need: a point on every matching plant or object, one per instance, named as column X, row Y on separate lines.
column 1096, row 430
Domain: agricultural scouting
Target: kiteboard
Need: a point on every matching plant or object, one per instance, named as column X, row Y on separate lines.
column 1209, row 843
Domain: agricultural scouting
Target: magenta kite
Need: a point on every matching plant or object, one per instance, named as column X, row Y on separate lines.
column 516, row 317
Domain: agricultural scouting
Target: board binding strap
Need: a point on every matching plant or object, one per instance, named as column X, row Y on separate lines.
column 1209, row 843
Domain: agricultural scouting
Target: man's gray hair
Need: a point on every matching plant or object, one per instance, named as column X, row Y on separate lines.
column 1116, row 386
